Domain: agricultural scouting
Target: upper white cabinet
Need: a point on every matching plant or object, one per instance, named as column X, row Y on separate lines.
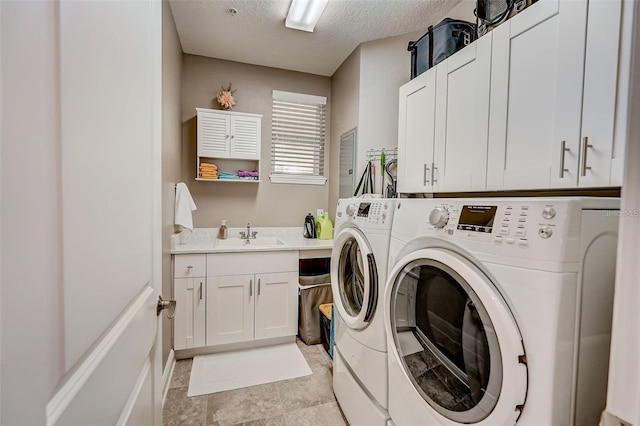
column 554, row 91
column 540, row 102
column 443, row 121
column 416, row 126
column 228, row 135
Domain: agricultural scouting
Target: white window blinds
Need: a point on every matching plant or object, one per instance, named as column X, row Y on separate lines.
column 297, row 138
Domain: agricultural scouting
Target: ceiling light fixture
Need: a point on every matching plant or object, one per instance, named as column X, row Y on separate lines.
column 304, row 14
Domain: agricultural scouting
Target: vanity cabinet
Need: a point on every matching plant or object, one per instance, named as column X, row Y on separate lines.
column 443, row 122
column 228, row 139
column 189, row 286
column 251, row 296
column 558, row 91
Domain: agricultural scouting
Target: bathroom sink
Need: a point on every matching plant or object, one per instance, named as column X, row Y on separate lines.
column 253, row 242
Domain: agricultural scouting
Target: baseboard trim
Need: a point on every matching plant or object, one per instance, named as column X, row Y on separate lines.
column 167, row 373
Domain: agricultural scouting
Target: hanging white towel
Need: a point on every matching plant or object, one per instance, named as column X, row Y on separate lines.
column 184, row 207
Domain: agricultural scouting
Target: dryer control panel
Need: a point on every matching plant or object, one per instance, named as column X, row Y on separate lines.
column 536, row 228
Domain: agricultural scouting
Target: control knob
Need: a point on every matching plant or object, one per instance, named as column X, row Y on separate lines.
column 351, row 210
column 439, row 217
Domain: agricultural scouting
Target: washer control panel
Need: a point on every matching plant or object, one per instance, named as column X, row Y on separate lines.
column 369, row 212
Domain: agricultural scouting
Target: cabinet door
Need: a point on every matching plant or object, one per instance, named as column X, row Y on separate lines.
column 245, row 137
column 416, row 121
column 536, row 94
column 600, row 90
column 462, row 118
column 189, row 321
column 213, row 135
column 276, row 305
column 230, row 301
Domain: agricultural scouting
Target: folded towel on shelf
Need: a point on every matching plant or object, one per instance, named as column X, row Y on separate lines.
column 208, row 175
column 208, row 166
column 246, row 173
column 223, row 175
column 183, row 207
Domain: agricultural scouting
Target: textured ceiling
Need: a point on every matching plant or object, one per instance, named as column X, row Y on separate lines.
column 257, row 35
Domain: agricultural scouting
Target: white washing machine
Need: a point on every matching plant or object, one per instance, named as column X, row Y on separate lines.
column 498, row 310
column 358, row 275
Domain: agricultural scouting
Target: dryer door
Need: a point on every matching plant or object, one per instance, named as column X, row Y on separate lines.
column 354, row 278
column 455, row 338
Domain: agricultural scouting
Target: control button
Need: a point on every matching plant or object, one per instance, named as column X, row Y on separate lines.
column 521, row 232
column 449, row 231
column 549, row 213
column 545, row 232
column 510, row 241
column 504, row 231
column 506, row 219
column 523, row 214
column 524, row 208
column 507, row 213
column 497, row 239
column 384, row 216
column 439, row 217
column 523, row 242
column 522, row 219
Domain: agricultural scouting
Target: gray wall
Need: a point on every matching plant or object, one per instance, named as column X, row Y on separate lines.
column 345, row 91
column 171, row 155
column 262, row 204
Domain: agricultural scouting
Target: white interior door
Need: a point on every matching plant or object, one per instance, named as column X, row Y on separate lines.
column 96, row 67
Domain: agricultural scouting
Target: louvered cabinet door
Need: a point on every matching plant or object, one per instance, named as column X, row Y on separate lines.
column 214, row 135
column 245, row 137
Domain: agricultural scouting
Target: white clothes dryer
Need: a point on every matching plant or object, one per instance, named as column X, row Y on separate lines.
column 498, row 310
column 358, row 275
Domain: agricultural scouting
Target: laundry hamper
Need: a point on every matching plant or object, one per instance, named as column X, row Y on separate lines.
column 314, row 290
column 326, row 315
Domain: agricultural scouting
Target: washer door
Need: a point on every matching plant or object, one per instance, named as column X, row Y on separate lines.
column 354, row 278
column 455, row 338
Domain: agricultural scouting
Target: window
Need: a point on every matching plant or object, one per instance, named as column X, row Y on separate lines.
column 297, row 138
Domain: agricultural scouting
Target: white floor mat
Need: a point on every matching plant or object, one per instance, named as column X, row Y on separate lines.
column 408, row 343
column 239, row 369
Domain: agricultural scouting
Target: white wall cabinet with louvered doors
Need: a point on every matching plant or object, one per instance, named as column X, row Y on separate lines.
column 251, row 296
column 443, row 124
column 228, row 139
column 189, row 286
column 559, row 83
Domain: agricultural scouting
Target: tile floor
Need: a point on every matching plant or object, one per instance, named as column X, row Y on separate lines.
column 307, row 400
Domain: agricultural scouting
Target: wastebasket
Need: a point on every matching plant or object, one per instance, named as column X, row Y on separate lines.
column 314, row 290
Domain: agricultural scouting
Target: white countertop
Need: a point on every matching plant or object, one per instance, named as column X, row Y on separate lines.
column 204, row 240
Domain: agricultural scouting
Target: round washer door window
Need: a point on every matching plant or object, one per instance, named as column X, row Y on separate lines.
column 354, row 279
column 454, row 336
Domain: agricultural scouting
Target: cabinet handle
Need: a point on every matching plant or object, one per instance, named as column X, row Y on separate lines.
column 433, row 173
column 585, row 146
column 200, row 290
column 426, row 170
column 250, row 288
column 563, row 152
column 189, row 267
column 258, row 286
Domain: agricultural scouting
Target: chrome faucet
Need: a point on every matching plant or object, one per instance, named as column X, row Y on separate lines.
column 248, row 234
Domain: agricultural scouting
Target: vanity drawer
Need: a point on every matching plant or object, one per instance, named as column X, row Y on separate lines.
column 189, row 265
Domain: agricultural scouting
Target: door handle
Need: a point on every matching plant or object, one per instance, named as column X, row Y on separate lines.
column 250, row 288
column 162, row 304
column 585, row 146
column 426, row 170
column 433, row 173
column 258, row 286
column 200, row 290
column 563, row 152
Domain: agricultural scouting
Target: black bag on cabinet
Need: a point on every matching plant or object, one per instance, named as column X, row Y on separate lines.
column 491, row 13
column 440, row 42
